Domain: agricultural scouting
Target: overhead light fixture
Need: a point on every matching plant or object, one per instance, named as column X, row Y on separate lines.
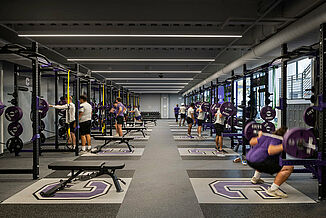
column 151, row 78
column 161, row 87
column 141, row 59
column 150, row 92
column 146, row 71
column 155, row 90
column 137, row 35
column 151, row 83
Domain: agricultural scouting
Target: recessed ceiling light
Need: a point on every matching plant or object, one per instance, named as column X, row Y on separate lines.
column 125, row 83
column 146, row 71
column 151, row 78
column 142, row 87
column 137, row 35
column 141, row 59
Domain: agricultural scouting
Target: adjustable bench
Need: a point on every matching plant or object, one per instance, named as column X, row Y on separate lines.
column 135, row 128
column 108, row 139
column 99, row 168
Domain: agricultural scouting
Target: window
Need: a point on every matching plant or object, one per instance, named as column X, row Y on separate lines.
column 298, row 79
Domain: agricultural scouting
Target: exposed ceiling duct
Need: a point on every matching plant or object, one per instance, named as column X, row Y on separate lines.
column 302, row 26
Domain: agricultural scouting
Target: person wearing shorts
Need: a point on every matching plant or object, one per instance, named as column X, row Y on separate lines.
column 70, row 119
column 137, row 114
column 182, row 114
column 85, row 123
column 191, row 118
column 119, row 120
column 219, row 128
column 176, row 113
column 264, row 157
column 200, row 120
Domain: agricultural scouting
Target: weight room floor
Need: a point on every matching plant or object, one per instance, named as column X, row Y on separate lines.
column 162, row 186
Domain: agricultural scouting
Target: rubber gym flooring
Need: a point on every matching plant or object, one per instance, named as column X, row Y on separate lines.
column 165, row 178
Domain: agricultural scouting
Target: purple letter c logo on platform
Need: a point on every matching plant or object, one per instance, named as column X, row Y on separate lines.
column 91, row 190
column 232, row 189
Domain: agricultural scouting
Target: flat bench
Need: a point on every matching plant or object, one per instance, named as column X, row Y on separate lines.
column 78, row 167
column 135, row 128
column 108, row 139
column 146, row 120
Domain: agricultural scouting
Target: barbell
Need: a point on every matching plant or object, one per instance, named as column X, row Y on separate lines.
column 297, row 142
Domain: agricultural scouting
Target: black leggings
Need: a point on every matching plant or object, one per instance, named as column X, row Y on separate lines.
column 176, row 117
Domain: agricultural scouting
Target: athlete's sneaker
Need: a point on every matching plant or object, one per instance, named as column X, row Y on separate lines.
column 276, row 193
column 116, row 135
column 254, row 180
column 237, row 160
column 244, row 162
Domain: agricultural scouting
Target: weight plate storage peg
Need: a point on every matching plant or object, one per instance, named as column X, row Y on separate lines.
column 309, row 116
column 14, row 144
column 267, row 113
column 15, row 129
column 13, row 113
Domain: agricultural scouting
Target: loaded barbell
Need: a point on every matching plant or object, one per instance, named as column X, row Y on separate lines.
column 297, row 142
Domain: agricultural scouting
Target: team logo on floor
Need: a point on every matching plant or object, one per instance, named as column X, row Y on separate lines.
column 203, row 151
column 92, row 189
column 233, row 189
column 115, row 151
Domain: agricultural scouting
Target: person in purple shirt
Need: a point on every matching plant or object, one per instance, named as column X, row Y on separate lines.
column 176, row 112
column 119, row 110
column 264, row 157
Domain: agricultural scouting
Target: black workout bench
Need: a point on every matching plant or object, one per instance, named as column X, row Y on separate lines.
column 147, row 120
column 99, row 168
column 135, row 128
column 108, row 139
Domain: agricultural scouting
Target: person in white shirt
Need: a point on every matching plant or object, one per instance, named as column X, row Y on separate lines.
column 191, row 118
column 137, row 114
column 219, row 128
column 70, row 119
column 200, row 119
column 85, row 122
column 182, row 114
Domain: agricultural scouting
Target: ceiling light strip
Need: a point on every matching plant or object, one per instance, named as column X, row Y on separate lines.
column 137, row 35
column 146, row 71
column 141, row 59
column 151, row 78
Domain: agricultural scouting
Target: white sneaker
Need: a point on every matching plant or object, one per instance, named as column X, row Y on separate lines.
column 276, row 193
column 254, row 180
column 116, row 135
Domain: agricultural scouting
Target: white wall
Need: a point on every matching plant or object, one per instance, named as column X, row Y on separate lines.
column 152, row 102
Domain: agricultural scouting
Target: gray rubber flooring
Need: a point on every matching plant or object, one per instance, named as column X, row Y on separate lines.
column 160, row 186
